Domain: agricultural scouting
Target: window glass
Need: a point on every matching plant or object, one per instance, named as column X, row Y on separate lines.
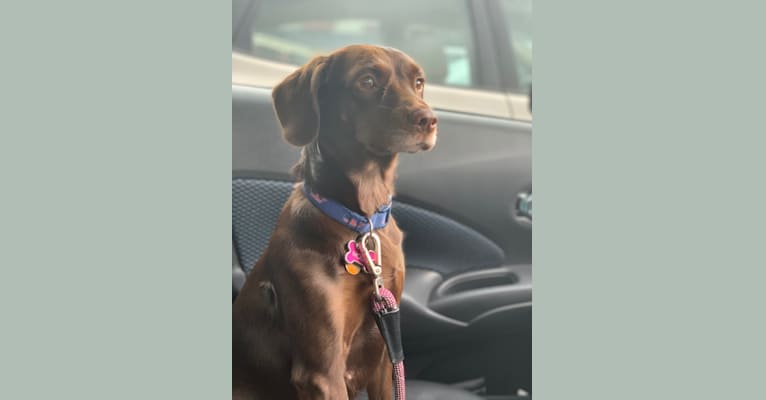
column 518, row 15
column 436, row 33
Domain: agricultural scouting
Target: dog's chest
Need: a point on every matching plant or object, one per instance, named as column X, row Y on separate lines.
column 361, row 336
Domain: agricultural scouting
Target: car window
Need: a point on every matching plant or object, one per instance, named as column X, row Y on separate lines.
column 518, row 16
column 437, row 33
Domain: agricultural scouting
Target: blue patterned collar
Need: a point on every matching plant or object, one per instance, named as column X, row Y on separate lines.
column 346, row 217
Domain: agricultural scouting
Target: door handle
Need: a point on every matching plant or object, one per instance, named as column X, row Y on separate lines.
column 524, row 205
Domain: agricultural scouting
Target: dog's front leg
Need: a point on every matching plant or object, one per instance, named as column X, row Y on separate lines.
column 319, row 360
column 313, row 382
column 380, row 387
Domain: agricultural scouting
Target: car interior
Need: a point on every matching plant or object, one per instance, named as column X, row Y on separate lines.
column 465, row 208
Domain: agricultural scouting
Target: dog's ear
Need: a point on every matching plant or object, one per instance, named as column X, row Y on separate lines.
column 269, row 297
column 296, row 101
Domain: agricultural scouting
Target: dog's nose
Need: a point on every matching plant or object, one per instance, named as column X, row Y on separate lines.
column 425, row 119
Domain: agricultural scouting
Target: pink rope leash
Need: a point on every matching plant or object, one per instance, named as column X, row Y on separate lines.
column 387, row 302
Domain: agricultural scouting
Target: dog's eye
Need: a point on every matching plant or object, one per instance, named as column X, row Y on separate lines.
column 419, row 83
column 367, row 82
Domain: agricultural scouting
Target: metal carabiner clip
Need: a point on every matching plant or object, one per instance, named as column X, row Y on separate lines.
column 375, row 267
column 377, row 284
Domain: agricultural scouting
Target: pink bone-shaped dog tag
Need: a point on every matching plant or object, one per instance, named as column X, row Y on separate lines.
column 354, row 255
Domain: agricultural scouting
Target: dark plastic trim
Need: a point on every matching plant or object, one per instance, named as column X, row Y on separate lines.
column 488, row 72
column 430, row 304
column 468, row 295
column 506, row 61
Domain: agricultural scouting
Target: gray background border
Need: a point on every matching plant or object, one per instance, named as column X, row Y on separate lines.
column 115, row 227
column 648, row 170
column 115, row 160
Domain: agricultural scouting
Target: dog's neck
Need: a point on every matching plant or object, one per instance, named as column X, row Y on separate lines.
column 362, row 182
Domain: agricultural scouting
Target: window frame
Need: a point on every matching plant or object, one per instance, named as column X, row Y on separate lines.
column 240, row 9
column 490, row 78
column 507, row 59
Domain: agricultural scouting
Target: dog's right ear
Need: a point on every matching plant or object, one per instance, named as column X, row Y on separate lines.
column 296, row 101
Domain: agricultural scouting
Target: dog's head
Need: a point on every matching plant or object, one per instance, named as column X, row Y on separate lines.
column 359, row 96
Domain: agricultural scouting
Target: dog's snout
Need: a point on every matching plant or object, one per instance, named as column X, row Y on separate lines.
column 425, row 119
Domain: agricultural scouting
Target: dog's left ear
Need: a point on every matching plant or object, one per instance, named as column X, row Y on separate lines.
column 296, row 101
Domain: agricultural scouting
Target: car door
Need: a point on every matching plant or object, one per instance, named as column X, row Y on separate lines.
column 465, row 207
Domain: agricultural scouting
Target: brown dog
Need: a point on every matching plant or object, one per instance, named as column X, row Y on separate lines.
column 302, row 325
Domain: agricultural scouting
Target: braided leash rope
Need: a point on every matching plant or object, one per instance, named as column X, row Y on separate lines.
column 399, row 381
column 387, row 302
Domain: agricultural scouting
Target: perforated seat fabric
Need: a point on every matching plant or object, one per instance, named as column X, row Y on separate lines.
column 255, row 207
